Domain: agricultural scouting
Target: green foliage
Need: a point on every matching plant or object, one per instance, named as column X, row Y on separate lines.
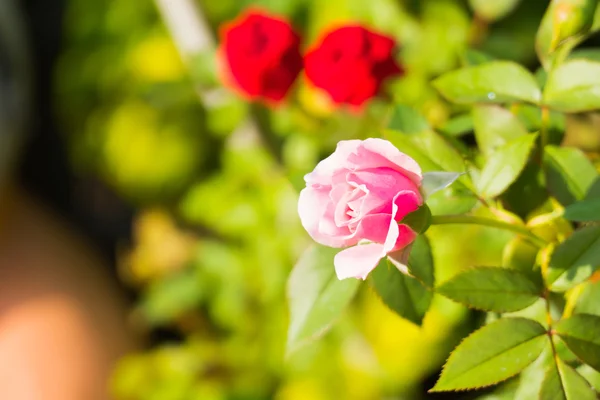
column 403, row 294
column 407, row 120
column 504, row 166
column 492, row 354
column 574, row 260
column 564, row 383
column 492, row 289
column 588, row 301
column 493, row 82
column 564, row 25
column 408, row 293
column 431, row 151
column 418, row 220
column 316, row 296
column 492, row 11
column 520, row 255
column 579, row 332
column 495, row 126
column 574, row 86
column 569, row 174
column 585, row 210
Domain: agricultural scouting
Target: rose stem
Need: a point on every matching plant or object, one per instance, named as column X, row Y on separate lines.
column 470, row 219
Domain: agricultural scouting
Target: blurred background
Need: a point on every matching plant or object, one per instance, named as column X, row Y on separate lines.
column 189, row 193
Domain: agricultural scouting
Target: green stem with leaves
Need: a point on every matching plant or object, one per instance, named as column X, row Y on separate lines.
column 475, row 220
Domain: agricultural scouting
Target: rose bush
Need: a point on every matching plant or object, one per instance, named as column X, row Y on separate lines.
column 360, row 194
column 259, row 56
column 351, row 63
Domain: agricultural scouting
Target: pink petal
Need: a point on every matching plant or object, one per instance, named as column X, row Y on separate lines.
column 374, row 153
column 358, row 261
column 407, row 202
column 383, row 184
column 405, row 237
column 329, row 234
column 326, row 169
column 311, row 208
column 393, row 230
column 374, row 228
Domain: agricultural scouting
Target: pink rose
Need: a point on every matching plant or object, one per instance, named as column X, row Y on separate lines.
column 358, row 197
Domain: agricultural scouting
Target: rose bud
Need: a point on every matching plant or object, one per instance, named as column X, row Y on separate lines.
column 357, row 198
column 259, row 56
column 351, row 63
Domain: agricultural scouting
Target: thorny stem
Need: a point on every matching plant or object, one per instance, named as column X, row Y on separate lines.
column 474, row 220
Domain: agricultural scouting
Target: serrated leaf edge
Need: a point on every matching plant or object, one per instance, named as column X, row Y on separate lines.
column 433, row 390
column 470, row 306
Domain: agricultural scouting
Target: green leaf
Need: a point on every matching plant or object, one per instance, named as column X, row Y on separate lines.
column 495, row 126
column 531, row 378
column 591, row 54
column 473, row 57
column 492, row 354
column 493, row 82
column 419, row 220
column 404, row 295
column 593, row 191
column 435, row 181
column 574, row 86
column 528, row 192
column 492, row 289
column 170, row 298
column 458, row 126
column 504, row 391
column 575, row 259
column 590, row 375
column 316, row 297
column 493, row 10
column 531, row 117
column 564, row 383
column 561, row 29
column 407, row 120
column 451, row 201
column 504, row 166
column 569, row 174
column 420, row 261
column 581, row 334
column 585, row 210
column 589, row 299
column 520, row 254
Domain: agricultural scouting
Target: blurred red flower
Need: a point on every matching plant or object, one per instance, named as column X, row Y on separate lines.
column 260, row 56
column 351, row 63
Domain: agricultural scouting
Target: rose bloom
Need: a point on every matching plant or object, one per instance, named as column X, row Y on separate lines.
column 259, row 56
column 351, row 63
column 358, row 197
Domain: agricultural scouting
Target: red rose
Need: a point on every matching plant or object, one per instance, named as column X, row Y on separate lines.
column 351, row 63
column 260, row 56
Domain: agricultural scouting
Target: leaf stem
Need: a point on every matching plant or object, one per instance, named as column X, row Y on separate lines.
column 474, row 220
column 549, row 321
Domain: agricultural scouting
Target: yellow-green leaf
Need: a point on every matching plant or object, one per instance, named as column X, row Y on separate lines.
column 581, row 334
column 492, row 289
column 492, row 354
